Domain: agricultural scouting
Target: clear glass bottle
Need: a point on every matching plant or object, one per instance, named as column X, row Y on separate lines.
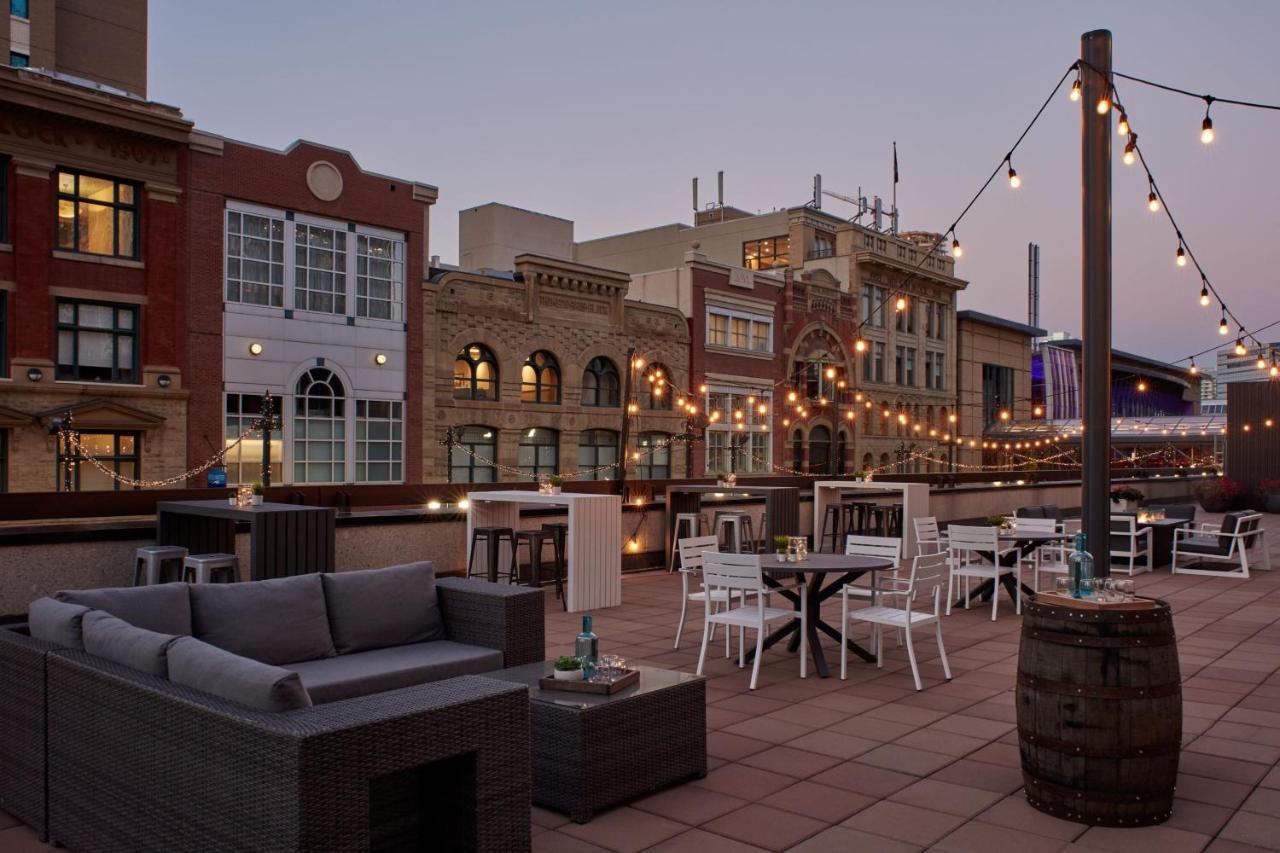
column 587, row 647
column 1080, row 564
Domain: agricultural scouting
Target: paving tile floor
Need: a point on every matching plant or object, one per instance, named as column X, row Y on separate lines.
column 869, row 764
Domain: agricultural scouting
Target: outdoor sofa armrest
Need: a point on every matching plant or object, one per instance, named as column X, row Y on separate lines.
column 22, row 726
column 138, row 763
column 505, row 617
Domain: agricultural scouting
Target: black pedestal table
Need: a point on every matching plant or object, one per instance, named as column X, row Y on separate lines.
column 284, row 539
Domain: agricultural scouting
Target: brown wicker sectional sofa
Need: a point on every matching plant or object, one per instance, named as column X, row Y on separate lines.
column 126, row 737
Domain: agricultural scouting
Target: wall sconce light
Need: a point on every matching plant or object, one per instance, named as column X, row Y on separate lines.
column 35, row 374
column 255, row 348
column 380, row 359
column 164, row 380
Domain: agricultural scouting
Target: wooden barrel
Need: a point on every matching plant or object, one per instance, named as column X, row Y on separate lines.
column 1099, row 713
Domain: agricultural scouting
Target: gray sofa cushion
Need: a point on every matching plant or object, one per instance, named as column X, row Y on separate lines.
column 274, row 621
column 362, row 673
column 383, row 607
column 57, row 622
column 116, row 640
column 164, row 608
column 196, row 664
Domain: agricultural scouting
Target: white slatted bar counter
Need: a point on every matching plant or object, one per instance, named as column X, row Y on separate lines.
column 593, row 547
column 915, row 504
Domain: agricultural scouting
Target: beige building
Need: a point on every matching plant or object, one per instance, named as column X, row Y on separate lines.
column 104, row 41
column 993, row 377
column 491, row 235
column 529, row 370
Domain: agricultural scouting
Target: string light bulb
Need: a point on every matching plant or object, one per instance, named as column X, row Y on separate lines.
column 1222, row 324
column 1153, row 201
column 1206, row 126
column 1075, row 88
column 1181, row 257
column 1193, row 370
column 1131, row 150
column 1014, row 180
column 1142, row 386
column 901, row 303
column 1262, row 363
column 1123, row 127
column 1104, row 105
column 1240, row 347
column 860, row 345
column 956, row 250
column 1204, row 294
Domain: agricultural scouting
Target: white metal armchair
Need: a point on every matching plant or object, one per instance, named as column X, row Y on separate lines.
column 1130, row 543
column 1228, row 543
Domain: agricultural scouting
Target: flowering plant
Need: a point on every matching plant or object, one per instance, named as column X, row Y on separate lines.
column 1126, row 493
column 1218, row 489
column 1269, row 487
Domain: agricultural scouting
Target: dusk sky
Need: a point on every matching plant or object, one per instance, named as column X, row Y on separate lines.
column 602, row 112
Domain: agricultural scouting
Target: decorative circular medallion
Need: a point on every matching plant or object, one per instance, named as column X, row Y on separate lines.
column 324, row 180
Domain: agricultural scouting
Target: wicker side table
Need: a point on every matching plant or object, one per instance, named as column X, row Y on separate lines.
column 592, row 752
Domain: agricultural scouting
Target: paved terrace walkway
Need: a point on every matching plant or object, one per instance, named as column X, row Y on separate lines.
column 870, row 765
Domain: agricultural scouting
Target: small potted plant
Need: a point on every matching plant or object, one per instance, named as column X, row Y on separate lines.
column 567, row 668
column 996, row 521
column 1218, row 494
column 556, row 482
column 1125, row 498
column 1269, row 492
column 259, row 491
column 781, row 544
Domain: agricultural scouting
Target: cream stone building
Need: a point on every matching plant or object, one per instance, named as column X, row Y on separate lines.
column 993, row 377
column 528, row 369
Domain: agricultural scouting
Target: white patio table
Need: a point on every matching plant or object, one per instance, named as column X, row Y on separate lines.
column 593, row 543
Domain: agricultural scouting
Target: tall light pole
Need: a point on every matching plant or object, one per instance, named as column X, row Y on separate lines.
column 1095, row 175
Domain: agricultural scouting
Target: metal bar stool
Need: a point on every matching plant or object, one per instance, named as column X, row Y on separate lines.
column 492, row 537
column 687, row 525
column 862, row 511
column 559, row 531
column 894, row 522
column 831, row 524
column 536, row 540
column 150, row 562
column 206, row 568
column 735, row 527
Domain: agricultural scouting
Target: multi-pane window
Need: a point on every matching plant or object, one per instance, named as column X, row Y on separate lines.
column 540, row 379
column 320, row 269
column 906, row 318
column 873, row 299
column 934, row 371
column 738, row 440
column 655, row 456
column 655, row 388
column 817, row 376
column 738, row 330
column 600, row 385
column 319, row 428
column 997, row 392
column 873, row 363
column 118, row 452
column 379, row 277
column 538, row 451
column 766, row 254
column 471, row 460
column 379, row 441
column 935, row 320
column 255, row 259
column 737, row 453
column 243, row 462
column 97, row 215
column 904, row 366
column 475, row 374
column 598, row 454
column 97, row 342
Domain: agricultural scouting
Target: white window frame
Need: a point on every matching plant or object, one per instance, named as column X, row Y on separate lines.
column 395, row 443
column 754, row 422
column 752, row 319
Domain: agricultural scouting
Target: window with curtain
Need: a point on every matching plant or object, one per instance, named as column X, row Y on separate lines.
column 97, row 215
column 600, row 384
column 97, row 342
column 475, row 374
column 596, row 448
column 319, row 428
column 540, row 379
column 539, row 451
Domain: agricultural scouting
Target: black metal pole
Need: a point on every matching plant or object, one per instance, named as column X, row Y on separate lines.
column 1095, row 174
column 268, row 421
column 68, row 453
column 626, row 421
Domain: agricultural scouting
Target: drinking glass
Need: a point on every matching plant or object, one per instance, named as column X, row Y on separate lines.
column 1109, row 590
column 1125, row 589
column 1063, row 586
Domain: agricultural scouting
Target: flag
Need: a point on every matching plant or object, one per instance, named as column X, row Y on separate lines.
column 895, row 162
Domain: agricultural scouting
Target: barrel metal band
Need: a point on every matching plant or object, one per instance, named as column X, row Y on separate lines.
column 1160, row 613
column 1089, row 751
column 1085, row 641
column 1092, row 795
column 1090, row 691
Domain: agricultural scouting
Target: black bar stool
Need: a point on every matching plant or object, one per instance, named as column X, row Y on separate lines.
column 831, row 527
column 536, row 540
column 894, row 523
column 492, row 537
column 559, row 531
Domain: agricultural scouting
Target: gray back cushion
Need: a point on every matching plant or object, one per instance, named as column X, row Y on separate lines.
column 235, row 678
column 116, row 640
column 282, row 620
column 57, row 622
column 164, row 608
column 377, row 608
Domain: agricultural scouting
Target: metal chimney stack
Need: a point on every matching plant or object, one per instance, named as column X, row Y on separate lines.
column 1033, row 287
column 695, row 196
column 817, row 192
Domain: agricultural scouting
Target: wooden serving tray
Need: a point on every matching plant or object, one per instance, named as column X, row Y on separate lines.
column 547, row 682
column 1092, row 603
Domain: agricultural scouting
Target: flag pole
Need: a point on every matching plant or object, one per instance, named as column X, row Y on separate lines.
column 894, row 216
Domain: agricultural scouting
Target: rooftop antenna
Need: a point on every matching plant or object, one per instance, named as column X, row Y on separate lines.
column 817, row 192
column 878, row 214
column 695, row 196
column 720, row 192
column 1033, row 289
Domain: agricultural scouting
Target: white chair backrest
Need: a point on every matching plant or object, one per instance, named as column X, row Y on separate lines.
column 925, row 567
column 966, row 538
column 1128, row 524
column 691, row 549
column 731, row 571
column 885, row 547
column 1035, row 525
column 926, row 529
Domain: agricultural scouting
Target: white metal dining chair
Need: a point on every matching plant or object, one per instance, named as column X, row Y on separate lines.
column 928, row 538
column 880, row 547
column 743, row 573
column 690, row 550
column 1038, row 526
column 894, row 605
column 1130, row 543
column 968, row 545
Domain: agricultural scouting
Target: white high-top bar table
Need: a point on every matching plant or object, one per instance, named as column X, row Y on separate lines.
column 593, row 543
column 915, row 504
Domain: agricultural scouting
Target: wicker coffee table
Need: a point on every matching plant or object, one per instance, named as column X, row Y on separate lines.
column 591, row 751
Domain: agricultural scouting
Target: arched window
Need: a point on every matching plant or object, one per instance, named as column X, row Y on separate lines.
column 475, row 374
column 656, row 388
column 867, row 461
column 884, row 461
column 540, row 379
column 539, row 451
column 473, row 442
column 655, row 456
column 597, row 447
column 319, row 428
column 600, row 386
column 820, row 450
